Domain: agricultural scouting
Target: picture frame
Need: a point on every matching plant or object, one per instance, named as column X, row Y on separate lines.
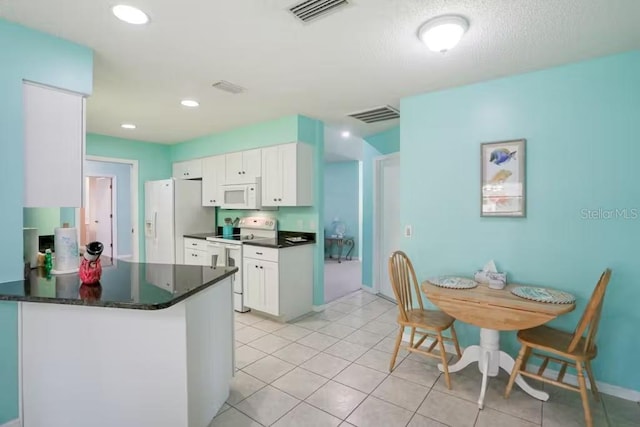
column 503, row 178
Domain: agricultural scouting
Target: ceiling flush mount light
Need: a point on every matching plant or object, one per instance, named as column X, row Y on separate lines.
column 443, row 33
column 345, row 134
column 130, row 14
column 128, row 126
column 190, row 103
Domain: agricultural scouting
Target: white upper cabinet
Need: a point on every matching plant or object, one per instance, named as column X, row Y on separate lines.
column 213, row 177
column 190, row 169
column 243, row 167
column 54, row 140
column 287, row 175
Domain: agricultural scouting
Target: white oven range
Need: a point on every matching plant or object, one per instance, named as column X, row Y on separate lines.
column 228, row 250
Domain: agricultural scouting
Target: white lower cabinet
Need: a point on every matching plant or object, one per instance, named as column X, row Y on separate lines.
column 195, row 252
column 279, row 282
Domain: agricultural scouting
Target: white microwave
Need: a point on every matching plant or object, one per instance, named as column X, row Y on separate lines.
column 241, row 196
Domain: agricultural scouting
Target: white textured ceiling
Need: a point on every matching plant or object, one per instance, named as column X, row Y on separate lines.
column 365, row 55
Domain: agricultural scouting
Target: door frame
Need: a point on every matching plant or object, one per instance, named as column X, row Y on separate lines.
column 377, row 217
column 114, row 209
column 133, row 182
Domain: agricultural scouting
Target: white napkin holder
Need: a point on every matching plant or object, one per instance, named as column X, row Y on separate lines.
column 490, row 276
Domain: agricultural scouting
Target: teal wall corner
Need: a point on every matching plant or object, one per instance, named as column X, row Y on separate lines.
column 25, row 54
column 153, row 163
column 369, row 154
column 581, row 125
column 342, row 199
column 386, row 142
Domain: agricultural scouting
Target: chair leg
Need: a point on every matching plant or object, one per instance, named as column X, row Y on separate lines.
column 443, row 356
column 583, row 394
column 592, row 381
column 397, row 347
column 516, row 369
column 455, row 340
column 413, row 334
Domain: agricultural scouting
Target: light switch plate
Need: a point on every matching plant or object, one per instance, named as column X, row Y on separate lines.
column 408, row 231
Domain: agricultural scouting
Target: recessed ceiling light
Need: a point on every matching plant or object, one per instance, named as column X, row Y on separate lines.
column 130, row 14
column 443, row 33
column 128, row 126
column 345, row 134
column 190, row 103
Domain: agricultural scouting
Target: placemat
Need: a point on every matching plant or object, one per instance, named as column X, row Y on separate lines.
column 550, row 296
column 453, row 282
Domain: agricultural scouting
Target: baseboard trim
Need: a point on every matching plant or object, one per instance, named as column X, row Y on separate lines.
column 319, row 308
column 12, row 423
column 368, row 289
column 610, row 389
column 124, row 257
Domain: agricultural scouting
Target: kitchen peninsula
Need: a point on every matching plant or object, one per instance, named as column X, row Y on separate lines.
column 151, row 346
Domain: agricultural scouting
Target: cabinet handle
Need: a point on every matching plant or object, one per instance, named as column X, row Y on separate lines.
column 194, row 244
column 243, row 172
column 256, row 266
column 279, row 200
column 239, row 173
column 260, row 267
column 214, row 201
column 275, row 200
column 258, row 253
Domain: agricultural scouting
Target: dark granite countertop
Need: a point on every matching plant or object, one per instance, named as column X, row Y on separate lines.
column 153, row 289
column 201, row 236
column 281, row 242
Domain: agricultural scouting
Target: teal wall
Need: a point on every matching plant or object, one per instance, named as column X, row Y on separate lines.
column 581, row 123
column 368, row 157
column 386, row 142
column 44, row 219
column 153, row 163
column 122, row 174
column 341, row 199
column 38, row 57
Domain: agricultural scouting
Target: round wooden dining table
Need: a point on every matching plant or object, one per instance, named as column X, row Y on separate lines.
column 493, row 311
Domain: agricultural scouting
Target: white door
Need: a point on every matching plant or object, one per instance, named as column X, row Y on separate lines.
column 251, row 277
column 388, row 218
column 102, row 213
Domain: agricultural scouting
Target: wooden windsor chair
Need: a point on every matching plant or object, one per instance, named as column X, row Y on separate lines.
column 565, row 348
column 427, row 323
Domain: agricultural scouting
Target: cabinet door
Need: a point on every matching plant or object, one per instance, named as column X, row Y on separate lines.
column 251, row 165
column 271, row 176
column 233, row 165
column 213, row 177
column 271, row 287
column 289, row 174
column 190, row 169
column 251, row 283
column 195, row 257
column 53, row 147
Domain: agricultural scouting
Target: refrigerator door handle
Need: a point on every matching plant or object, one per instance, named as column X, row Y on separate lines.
column 155, row 224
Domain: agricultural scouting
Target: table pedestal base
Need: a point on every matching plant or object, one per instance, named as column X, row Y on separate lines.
column 490, row 360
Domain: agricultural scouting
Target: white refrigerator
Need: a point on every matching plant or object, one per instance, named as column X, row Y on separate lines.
column 172, row 208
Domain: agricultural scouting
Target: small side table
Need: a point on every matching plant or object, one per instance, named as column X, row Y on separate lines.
column 340, row 242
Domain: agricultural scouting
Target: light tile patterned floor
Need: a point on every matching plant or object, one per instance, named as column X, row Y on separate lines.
column 331, row 369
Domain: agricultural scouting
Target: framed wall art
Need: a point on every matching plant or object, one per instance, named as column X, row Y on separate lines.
column 503, row 178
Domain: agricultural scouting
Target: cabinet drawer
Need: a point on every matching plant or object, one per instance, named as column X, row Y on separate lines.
column 197, row 244
column 257, row 252
column 195, row 257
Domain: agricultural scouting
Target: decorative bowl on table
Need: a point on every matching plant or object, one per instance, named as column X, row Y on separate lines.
column 453, row 282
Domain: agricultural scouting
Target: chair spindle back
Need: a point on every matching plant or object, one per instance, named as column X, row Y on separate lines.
column 590, row 319
column 401, row 274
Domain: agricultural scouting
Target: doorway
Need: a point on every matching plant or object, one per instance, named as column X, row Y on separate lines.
column 97, row 213
column 387, row 225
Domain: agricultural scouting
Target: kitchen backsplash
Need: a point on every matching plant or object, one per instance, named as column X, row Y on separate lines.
column 289, row 218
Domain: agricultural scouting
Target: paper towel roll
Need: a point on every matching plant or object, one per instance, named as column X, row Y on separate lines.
column 65, row 241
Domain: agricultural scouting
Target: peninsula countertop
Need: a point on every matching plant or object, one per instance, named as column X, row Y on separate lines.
column 128, row 285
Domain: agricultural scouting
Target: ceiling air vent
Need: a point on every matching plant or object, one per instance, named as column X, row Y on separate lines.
column 378, row 114
column 312, row 9
column 228, row 87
